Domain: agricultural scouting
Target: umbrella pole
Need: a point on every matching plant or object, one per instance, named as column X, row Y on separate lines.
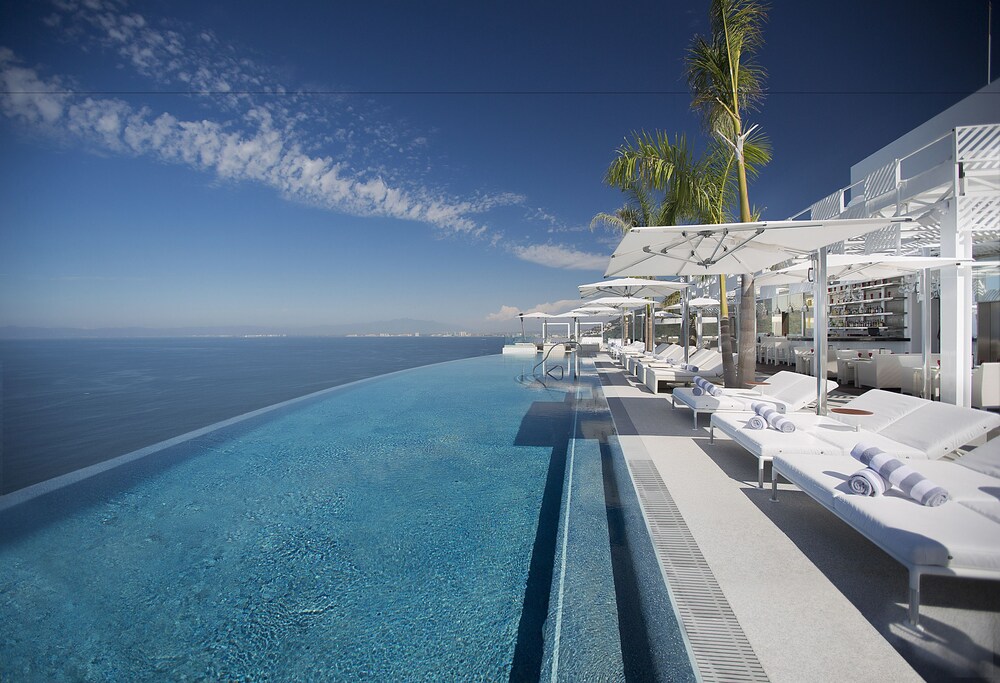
column 685, row 326
column 925, row 331
column 820, row 331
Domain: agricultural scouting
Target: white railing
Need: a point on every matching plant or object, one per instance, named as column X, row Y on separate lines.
column 914, row 183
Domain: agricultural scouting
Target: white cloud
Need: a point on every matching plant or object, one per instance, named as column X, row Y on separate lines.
column 255, row 151
column 367, row 166
column 505, row 313
column 558, row 256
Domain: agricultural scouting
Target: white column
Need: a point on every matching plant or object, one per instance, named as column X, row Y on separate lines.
column 820, row 328
column 956, row 301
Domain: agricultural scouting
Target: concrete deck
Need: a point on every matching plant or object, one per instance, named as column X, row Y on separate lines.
column 816, row 600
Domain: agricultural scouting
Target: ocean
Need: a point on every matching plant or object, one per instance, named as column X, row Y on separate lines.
column 70, row 403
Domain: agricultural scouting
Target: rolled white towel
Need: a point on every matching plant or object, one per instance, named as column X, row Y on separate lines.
column 703, row 386
column 905, row 478
column 698, row 389
column 756, row 422
column 868, row 482
column 773, row 417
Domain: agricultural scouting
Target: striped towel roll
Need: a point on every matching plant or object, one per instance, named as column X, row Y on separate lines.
column 690, row 368
column 905, row 478
column 868, row 482
column 703, row 386
column 698, row 389
column 773, row 417
column 756, row 422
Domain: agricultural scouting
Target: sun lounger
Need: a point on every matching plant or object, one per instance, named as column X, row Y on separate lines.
column 657, row 378
column 907, row 426
column 696, row 357
column 959, row 538
column 665, row 352
column 786, row 391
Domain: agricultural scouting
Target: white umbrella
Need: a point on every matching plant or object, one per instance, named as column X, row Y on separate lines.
column 536, row 314
column 729, row 247
column 622, row 304
column 854, row 267
column 741, row 248
column 702, row 302
column 632, row 286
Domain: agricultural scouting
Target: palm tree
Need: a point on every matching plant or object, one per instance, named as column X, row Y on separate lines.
column 639, row 209
column 702, row 190
column 725, row 82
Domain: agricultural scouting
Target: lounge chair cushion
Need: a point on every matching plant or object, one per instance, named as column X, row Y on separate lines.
column 965, row 531
column 950, row 534
column 939, row 428
column 887, row 406
column 985, row 459
column 813, row 434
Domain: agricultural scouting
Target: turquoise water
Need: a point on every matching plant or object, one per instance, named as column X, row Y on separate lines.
column 444, row 523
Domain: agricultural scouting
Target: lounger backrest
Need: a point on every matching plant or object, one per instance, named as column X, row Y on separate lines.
column 887, row 407
column 781, row 380
column 985, row 459
column 800, row 392
column 703, row 356
column 709, row 363
column 938, row 428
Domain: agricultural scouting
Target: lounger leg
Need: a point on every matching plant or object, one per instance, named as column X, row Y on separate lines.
column 711, row 433
column 774, row 485
column 695, row 414
column 673, row 401
column 914, row 599
column 760, row 473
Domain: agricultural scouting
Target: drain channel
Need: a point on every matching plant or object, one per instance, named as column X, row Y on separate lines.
column 718, row 644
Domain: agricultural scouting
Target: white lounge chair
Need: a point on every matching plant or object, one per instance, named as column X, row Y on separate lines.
column 786, row 391
column 709, row 367
column 696, row 357
column 960, row 538
column 907, row 426
column 662, row 353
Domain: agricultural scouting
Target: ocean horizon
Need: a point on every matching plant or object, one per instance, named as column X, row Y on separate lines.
column 70, row 403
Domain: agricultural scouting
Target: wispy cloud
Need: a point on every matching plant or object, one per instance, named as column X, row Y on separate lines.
column 338, row 152
column 252, row 149
column 560, row 256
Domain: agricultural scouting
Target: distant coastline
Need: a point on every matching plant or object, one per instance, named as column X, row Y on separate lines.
column 385, row 328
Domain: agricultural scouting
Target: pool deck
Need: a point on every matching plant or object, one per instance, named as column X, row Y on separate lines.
column 816, row 600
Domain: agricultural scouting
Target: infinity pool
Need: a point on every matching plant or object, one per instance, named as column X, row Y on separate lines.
column 468, row 520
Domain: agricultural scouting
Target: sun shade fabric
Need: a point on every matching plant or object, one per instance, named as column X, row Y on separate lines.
column 729, row 247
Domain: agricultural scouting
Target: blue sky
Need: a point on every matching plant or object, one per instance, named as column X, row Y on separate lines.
column 365, row 161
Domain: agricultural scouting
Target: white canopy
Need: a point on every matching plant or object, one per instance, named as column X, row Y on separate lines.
column 855, row 267
column 623, row 302
column 729, row 247
column 632, row 286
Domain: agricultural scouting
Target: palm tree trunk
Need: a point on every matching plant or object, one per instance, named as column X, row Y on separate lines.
column 725, row 340
column 747, row 363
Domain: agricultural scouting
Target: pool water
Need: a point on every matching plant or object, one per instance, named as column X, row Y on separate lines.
column 443, row 523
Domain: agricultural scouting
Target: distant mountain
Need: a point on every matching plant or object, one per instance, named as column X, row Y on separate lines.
column 399, row 326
